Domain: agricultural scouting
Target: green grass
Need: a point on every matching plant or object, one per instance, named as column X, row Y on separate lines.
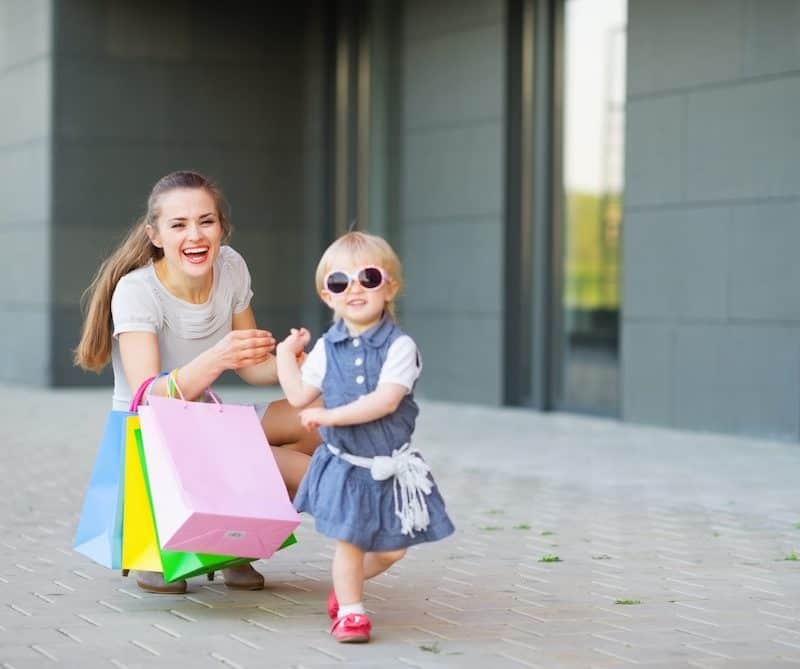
column 628, row 602
column 491, row 528
column 495, row 512
column 549, row 558
column 797, row 525
column 602, row 556
column 792, row 557
column 433, row 648
column 522, row 526
column 547, row 533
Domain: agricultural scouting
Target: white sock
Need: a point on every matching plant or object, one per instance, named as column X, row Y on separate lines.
column 347, row 609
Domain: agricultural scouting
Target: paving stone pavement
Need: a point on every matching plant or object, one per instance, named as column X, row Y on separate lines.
column 691, row 530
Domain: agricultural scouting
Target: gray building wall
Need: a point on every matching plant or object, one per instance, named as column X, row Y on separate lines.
column 145, row 88
column 450, row 134
column 711, row 328
column 26, row 63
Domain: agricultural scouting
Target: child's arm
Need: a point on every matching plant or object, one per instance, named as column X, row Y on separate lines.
column 399, row 373
column 298, row 394
column 379, row 403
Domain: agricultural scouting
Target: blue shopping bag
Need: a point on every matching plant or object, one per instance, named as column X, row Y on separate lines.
column 99, row 533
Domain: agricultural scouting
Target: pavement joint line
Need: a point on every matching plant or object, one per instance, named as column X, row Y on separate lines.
column 425, row 630
column 224, row 660
column 460, row 571
column 607, row 585
column 144, row 647
column 666, row 549
column 329, row 653
column 700, row 634
column 776, row 615
column 445, row 604
column 260, row 625
column 3, row 580
column 20, row 610
column 370, row 595
column 713, row 653
column 621, row 628
column 8, row 545
column 7, row 665
column 285, row 598
column 166, row 630
column 87, row 619
column 117, row 663
column 527, row 631
column 518, row 660
column 452, row 592
column 677, row 580
column 129, row 593
column 786, row 643
column 68, row 634
column 527, row 615
column 442, row 618
column 64, row 585
column 696, row 607
column 82, row 575
column 28, row 538
column 455, row 580
column 261, row 607
column 245, row 642
column 517, row 642
column 409, row 662
column 615, row 656
column 616, row 613
column 670, row 533
column 780, row 605
column 44, row 598
column 760, row 578
column 528, row 602
column 764, row 590
column 43, row 651
column 674, row 559
column 25, row 568
column 195, row 600
column 45, row 560
column 376, row 582
column 108, row 605
column 530, row 588
column 783, row 629
column 182, row 616
column 296, row 586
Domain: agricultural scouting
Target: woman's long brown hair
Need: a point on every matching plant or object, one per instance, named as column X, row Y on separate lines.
column 94, row 350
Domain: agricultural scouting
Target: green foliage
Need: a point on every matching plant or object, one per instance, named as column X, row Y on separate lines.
column 549, row 558
column 628, row 602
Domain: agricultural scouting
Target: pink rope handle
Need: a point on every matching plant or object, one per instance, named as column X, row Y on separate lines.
column 137, row 398
column 180, row 393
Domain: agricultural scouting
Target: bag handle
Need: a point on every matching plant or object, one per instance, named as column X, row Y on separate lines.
column 173, row 381
column 137, row 398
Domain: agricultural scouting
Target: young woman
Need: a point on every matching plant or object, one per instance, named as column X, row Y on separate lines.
column 173, row 295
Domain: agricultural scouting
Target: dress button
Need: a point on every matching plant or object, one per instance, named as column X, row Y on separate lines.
column 359, row 362
column 359, row 379
column 356, row 343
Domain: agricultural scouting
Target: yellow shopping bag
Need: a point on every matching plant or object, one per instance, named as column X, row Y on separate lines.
column 139, row 540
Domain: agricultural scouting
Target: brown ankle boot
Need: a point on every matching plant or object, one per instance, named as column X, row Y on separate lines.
column 243, row 577
column 153, row 581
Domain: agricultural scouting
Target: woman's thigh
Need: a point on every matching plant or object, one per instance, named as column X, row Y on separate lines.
column 281, row 422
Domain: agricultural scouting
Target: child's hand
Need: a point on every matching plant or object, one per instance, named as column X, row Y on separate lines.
column 295, row 342
column 313, row 417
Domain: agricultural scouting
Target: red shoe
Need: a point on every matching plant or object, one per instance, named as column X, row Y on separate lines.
column 352, row 628
column 333, row 605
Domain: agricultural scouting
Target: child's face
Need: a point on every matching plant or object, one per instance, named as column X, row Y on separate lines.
column 188, row 230
column 360, row 307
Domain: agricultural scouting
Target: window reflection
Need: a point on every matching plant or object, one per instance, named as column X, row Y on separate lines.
column 593, row 179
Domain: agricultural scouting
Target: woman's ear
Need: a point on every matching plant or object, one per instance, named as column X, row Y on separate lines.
column 153, row 235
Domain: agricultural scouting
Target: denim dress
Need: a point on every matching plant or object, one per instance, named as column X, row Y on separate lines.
column 346, row 502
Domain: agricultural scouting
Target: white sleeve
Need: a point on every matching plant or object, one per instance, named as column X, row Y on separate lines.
column 313, row 370
column 403, row 364
column 133, row 307
column 240, row 276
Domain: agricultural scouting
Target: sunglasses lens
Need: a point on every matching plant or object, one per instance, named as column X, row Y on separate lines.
column 370, row 277
column 337, row 282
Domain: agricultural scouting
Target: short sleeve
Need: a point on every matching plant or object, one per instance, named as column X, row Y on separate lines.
column 313, row 369
column 134, row 307
column 403, row 364
column 240, row 278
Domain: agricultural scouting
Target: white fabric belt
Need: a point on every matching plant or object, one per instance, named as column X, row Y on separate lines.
column 411, row 483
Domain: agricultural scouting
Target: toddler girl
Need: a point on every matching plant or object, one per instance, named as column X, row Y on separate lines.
column 367, row 487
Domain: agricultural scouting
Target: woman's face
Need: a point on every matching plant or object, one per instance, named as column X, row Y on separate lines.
column 189, row 231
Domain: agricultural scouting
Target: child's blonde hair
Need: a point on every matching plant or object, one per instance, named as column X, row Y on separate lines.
column 361, row 248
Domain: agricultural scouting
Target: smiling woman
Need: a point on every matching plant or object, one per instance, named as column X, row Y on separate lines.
column 174, row 296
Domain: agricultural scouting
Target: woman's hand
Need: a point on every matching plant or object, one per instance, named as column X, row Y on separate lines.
column 244, row 348
column 313, row 417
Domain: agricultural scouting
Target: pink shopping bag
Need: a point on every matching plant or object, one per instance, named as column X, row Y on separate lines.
column 214, row 482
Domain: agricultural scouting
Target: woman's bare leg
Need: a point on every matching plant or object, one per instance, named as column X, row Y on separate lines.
column 281, row 423
column 292, row 466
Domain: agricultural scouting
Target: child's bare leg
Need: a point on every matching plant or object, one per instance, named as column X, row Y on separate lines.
column 348, row 573
column 377, row 563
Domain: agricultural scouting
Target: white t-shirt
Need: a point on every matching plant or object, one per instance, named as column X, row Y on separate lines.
column 403, row 364
column 141, row 303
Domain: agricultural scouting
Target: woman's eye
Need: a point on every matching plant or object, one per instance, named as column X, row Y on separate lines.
column 176, row 225
column 208, row 221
